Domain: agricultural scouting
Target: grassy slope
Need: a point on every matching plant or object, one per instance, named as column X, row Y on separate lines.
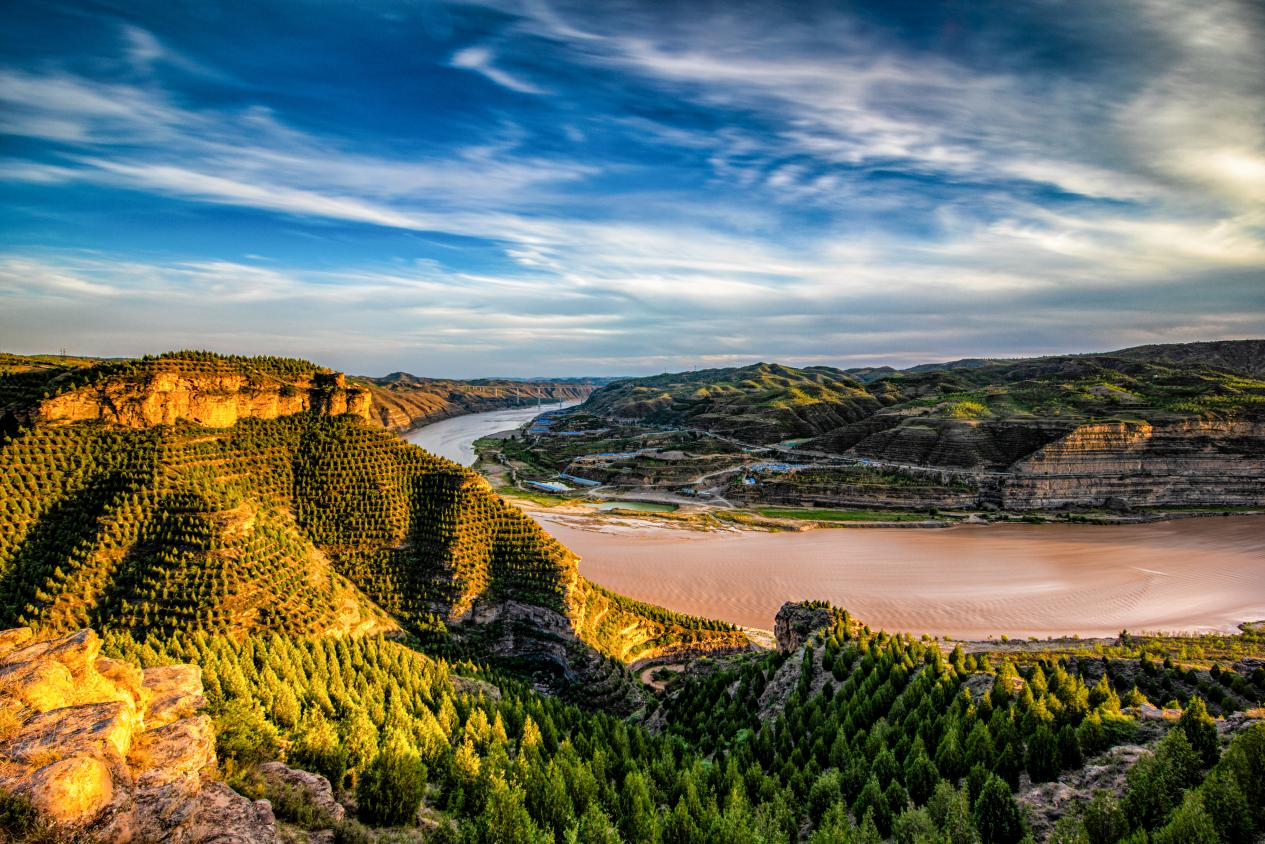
column 769, row 403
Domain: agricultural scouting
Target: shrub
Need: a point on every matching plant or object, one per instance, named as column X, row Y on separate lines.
column 393, row 785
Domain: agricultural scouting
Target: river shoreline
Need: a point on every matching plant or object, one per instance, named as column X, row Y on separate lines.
column 981, row 580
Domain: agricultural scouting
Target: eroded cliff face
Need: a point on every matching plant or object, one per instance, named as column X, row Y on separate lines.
column 111, row 753
column 1214, row 460
column 216, row 400
column 1218, row 461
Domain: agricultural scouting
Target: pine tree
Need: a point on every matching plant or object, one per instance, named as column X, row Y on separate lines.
column 392, row 786
column 996, row 816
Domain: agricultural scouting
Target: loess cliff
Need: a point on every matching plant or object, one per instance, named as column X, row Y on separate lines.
column 1209, row 460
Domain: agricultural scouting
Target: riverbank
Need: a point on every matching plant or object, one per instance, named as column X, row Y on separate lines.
column 983, row 575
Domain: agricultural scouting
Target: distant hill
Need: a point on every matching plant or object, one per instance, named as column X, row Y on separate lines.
column 402, row 401
column 761, row 403
column 1231, row 355
column 300, row 517
column 1152, row 425
column 766, row 403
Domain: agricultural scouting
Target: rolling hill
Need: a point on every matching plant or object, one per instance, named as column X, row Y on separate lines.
column 1147, row 426
column 761, row 403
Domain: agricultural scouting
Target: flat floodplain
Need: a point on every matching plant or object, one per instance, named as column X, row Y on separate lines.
column 1201, row 574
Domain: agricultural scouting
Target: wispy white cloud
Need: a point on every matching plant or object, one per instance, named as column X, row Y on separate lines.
column 772, row 221
column 480, row 60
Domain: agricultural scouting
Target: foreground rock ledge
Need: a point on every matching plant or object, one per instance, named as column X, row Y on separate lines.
column 112, row 753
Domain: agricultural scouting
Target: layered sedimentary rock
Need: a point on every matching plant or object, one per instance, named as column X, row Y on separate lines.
column 214, row 399
column 111, row 753
column 1189, row 461
column 1215, row 460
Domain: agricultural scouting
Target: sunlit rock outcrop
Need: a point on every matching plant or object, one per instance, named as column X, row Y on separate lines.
column 112, row 753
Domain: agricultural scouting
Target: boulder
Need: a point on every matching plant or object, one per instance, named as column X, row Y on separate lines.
column 311, row 788
column 176, row 752
column 109, row 753
column 41, row 686
column 71, row 792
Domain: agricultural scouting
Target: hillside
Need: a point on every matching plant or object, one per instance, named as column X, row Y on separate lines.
column 762, row 403
column 1180, row 425
column 845, row 734
column 311, row 523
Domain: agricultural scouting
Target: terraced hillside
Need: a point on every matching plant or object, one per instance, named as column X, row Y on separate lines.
column 1150, row 426
column 308, row 523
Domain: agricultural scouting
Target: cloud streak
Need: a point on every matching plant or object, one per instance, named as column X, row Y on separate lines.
column 647, row 189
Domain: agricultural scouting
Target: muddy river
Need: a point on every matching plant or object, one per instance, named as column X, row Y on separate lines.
column 973, row 582
column 1015, row 580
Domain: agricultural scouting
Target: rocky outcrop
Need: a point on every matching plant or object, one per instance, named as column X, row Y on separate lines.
column 112, row 753
column 795, row 622
column 163, row 395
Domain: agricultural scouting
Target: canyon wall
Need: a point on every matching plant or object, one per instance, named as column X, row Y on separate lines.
column 1209, row 461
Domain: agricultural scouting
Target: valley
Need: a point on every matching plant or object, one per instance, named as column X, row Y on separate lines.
column 974, row 581
column 308, row 629
column 560, row 422
column 1125, row 435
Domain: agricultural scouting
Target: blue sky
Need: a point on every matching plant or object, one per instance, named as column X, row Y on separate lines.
column 535, row 188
